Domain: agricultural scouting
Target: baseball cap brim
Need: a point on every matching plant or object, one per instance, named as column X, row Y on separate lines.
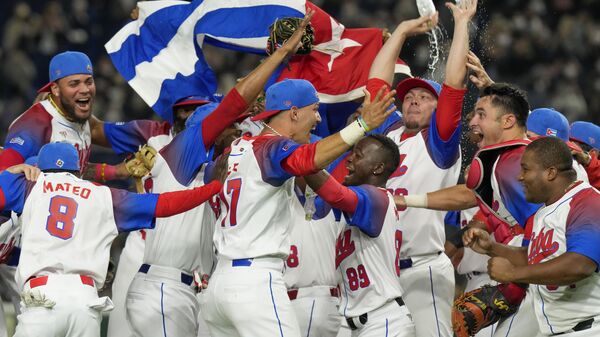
column 191, row 102
column 45, row 88
column 264, row 115
column 410, row 83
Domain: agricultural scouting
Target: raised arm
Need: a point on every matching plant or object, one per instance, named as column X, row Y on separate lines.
column 383, row 64
column 456, row 66
column 246, row 90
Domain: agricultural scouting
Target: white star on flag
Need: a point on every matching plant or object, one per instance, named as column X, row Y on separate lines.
column 335, row 47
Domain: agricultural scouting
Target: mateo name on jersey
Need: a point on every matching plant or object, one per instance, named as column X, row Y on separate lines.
column 66, row 187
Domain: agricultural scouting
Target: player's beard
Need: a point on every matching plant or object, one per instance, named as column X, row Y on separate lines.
column 411, row 125
column 69, row 110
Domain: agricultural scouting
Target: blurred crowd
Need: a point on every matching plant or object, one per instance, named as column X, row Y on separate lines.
column 547, row 47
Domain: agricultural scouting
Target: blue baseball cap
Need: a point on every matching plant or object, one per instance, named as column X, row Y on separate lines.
column 58, row 156
column 192, row 100
column 287, row 94
column 33, row 161
column 66, row 64
column 548, row 122
column 414, row 82
column 586, row 132
column 203, row 111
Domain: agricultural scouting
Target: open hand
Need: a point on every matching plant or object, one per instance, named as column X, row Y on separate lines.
column 375, row 112
column 479, row 76
column 465, row 10
column 31, row 172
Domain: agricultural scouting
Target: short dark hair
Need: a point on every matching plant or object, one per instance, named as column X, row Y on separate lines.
column 60, row 171
column 552, row 152
column 392, row 154
column 509, row 99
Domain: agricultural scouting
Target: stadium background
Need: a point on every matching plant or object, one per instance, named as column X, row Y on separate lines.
column 550, row 48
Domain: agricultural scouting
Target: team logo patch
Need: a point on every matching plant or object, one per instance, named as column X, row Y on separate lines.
column 60, row 163
column 592, row 140
column 17, row 140
column 89, row 68
column 551, row 132
column 57, row 72
column 286, row 147
column 287, row 103
column 63, row 133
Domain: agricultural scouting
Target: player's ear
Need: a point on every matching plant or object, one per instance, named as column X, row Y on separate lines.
column 509, row 120
column 294, row 114
column 378, row 168
column 54, row 89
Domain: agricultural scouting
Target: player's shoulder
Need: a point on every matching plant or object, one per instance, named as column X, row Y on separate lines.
column 35, row 116
column 270, row 142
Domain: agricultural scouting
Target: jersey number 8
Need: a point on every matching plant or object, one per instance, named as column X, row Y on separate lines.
column 63, row 211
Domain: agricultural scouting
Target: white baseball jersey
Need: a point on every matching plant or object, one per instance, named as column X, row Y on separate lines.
column 256, row 200
column 369, row 266
column 182, row 241
column 312, row 251
column 68, row 224
column 571, row 224
column 581, row 172
column 42, row 124
column 418, row 173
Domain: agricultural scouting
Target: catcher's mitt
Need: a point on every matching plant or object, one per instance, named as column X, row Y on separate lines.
column 478, row 309
column 141, row 162
column 281, row 30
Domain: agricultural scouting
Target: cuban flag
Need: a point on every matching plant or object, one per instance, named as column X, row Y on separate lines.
column 160, row 53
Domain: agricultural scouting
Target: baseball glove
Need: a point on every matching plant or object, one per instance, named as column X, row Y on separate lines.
column 141, row 162
column 281, row 30
column 478, row 309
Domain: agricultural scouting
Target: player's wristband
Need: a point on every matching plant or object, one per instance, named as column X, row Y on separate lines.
column 362, row 123
column 105, row 172
column 352, row 133
column 416, row 200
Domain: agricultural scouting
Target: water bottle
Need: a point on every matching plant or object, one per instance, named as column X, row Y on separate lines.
column 309, row 204
column 425, row 7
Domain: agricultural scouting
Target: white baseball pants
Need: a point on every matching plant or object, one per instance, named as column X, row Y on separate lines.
column 160, row 304
column 429, row 294
column 316, row 310
column 248, row 298
column 77, row 312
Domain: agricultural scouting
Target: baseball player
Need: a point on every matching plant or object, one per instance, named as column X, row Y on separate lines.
column 500, row 117
column 543, row 122
column 63, row 116
column 429, row 141
column 59, row 291
column 562, row 259
column 246, row 295
column 126, row 138
column 9, row 242
column 310, row 275
column 369, row 242
column 587, row 136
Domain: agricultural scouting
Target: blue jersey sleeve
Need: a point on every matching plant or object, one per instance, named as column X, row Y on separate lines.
column 186, row 154
column 452, row 219
column 583, row 225
column 511, row 190
column 133, row 211
column 28, row 133
column 127, row 137
column 371, row 209
column 443, row 153
column 14, row 189
column 270, row 153
column 392, row 119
